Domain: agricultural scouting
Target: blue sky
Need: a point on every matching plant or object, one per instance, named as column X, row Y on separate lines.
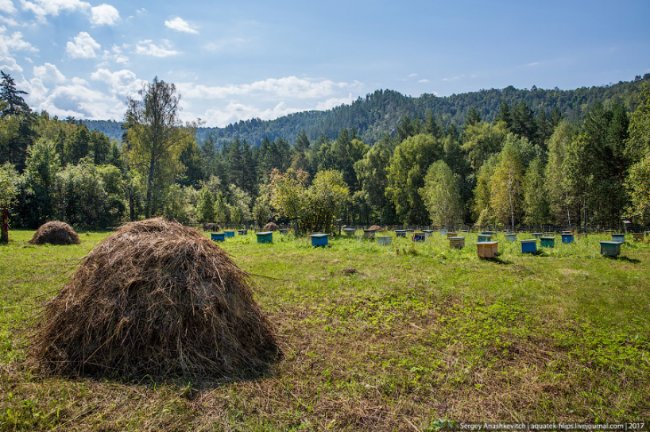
column 238, row 60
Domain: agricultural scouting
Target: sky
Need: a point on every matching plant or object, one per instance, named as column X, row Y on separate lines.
column 236, row 60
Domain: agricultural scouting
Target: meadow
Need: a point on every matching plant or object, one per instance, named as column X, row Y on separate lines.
column 401, row 337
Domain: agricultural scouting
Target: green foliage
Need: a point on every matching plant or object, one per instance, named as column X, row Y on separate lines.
column 481, row 140
column 638, row 142
column 506, row 184
column 38, row 183
column 82, row 197
column 178, row 204
column 262, row 212
column 638, row 188
column 535, row 202
column 239, row 207
column 8, row 186
column 326, row 199
column 371, row 173
column 405, row 175
column 441, row 195
column 557, row 188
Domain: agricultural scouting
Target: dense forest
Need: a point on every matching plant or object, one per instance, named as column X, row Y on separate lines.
column 380, row 112
column 503, row 158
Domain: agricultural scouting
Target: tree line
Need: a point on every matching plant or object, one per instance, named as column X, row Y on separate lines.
column 518, row 167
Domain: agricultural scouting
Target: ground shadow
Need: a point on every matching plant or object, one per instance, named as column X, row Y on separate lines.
column 624, row 258
column 498, row 260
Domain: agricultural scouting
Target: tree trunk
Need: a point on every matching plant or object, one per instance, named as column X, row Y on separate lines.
column 4, row 238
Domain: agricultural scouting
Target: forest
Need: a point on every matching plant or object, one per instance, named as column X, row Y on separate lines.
column 495, row 162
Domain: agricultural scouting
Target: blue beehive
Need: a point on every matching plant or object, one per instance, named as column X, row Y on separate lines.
column 418, row 237
column 229, row 234
column 529, row 246
column 427, row 232
column 567, row 237
column 400, row 233
column 511, row 237
column 265, row 237
column 349, row 231
column 610, row 248
column 319, row 240
column 618, row 237
column 242, row 232
column 218, row 237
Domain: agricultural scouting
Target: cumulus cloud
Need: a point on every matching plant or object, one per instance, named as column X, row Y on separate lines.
column 43, row 8
column 122, row 83
column 285, row 87
column 104, row 14
column 82, row 46
column 8, row 64
column 180, row 25
column 116, row 54
column 236, row 111
column 13, row 42
column 48, row 73
column 149, row 48
column 7, row 6
column 334, row 102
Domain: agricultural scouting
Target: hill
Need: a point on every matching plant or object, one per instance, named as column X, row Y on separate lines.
column 379, row 112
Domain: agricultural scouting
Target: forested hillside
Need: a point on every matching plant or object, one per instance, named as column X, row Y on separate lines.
column 379, row 113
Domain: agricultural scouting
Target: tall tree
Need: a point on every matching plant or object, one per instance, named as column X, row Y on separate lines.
column 441, row 195
column 561, row 197
column 405, row 176
column 535, row 202
column 506, row 185
column 15, row 104
column 156, row 139
column 8, row 194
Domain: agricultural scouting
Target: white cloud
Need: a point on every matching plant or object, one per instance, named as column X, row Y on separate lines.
column 116, row 54
column 285, row 87
column 334, row 102
column 83, row 46
column 149, row 48
column 7, row 6
column 8, row 64
column 236, row 111
column 423, row 81
column 122, row 83
column 43, row 8
column 49, row 73
column 104, row 14
column 13, row 42
column 180, row 25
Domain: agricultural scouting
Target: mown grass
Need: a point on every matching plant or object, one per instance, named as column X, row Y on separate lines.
column 375, row 338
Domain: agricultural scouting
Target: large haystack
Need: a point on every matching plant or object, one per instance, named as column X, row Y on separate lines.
column 375, row 228
column 55, row 232
column 271, row 226
column 155, row 298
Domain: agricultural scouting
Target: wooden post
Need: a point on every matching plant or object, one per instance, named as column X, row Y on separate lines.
column 4, row 238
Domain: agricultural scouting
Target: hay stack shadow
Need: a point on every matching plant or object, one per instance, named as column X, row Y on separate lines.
column 156, row 299
column 56, row 233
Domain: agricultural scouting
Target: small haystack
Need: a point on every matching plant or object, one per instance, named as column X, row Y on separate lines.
column 375, row 228
column 55, row 232
column 155, row 298
column 271, row 226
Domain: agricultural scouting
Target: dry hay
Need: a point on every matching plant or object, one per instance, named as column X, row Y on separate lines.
column 375, row 228
column 55, row 232
column 271, row 226
column 155, row 298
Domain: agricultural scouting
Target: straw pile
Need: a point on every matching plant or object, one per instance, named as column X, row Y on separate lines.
column 155, row 298
column 271, row 226
column 55, row 232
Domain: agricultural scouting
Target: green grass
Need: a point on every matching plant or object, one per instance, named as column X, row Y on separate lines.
column 414, row 335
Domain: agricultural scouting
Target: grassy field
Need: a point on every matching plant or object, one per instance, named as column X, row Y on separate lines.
column 375, row 338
